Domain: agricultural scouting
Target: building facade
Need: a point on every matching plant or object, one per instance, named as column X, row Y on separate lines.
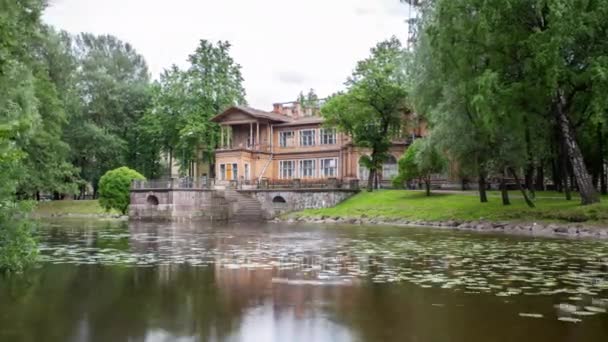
column 290, row 142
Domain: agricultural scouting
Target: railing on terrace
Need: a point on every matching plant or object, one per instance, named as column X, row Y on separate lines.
column 264, row 183
column 174, row 183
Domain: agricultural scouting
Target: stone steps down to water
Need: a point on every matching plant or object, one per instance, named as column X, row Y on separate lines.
column 246, row 208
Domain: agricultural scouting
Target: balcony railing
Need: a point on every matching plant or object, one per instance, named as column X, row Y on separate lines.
column 174, row 183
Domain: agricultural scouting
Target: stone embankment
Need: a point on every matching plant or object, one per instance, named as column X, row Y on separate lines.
column 577, row 230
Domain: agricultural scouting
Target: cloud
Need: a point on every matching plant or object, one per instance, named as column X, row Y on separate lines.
column 360, row 11
column 291, row 77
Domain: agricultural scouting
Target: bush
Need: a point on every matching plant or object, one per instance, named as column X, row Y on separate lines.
column 114, row 188
column 18, row 248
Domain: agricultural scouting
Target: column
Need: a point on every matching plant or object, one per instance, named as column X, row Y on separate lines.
column 250, row 133
column 257, row 134
column 221, row 136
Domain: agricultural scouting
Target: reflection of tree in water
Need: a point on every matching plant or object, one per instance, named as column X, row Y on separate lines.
column 97, row 303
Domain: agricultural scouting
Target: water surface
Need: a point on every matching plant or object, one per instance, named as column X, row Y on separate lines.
column 118, row 281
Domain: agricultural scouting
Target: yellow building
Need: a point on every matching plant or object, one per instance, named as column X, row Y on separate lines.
column 289, row 143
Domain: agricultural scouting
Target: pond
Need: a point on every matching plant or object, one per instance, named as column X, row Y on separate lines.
column 119, row 281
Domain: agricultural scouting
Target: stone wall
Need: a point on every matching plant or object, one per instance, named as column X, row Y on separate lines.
column 178, row 204
column 276, row 202
column 215, row 205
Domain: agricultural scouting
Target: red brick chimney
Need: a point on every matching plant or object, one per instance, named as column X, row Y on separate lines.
column 277, row 108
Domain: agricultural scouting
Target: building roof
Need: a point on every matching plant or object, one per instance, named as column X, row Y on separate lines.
column 256, row 113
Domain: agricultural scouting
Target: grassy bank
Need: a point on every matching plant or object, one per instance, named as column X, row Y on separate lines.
column 70, row 207
column 414, row 205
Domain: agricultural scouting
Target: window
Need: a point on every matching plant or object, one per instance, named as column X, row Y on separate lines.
column 389, row 168
column 328, row 136
column 235, row 173
column 307, row 168
column 329, row 167
column 307, row 137
column 229, row 171
column 286, row 139
column 287, row 169
column 247, row 172
column 363, row 172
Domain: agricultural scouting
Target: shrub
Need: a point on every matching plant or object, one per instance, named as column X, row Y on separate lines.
column 114, row 188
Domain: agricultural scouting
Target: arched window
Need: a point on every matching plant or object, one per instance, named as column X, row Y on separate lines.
column 363, row 171
column 152, row 200
column 389, row 168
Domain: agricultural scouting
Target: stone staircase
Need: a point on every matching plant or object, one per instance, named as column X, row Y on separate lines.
column 248, row 209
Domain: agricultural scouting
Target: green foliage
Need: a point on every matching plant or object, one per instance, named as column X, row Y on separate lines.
column 18, row 248
column 114, row 188
column 421, row 160
column 19, row 120
column 184, row 101
column 112, row 92
column 497, row 78
column 372, row 109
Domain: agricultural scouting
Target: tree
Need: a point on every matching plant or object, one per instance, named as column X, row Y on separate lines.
column 19, row 118
column 48, row 167
column 112, row 85
column 521, row 68
column 372, row 109
column 114, row 188
column 421, row 160
column 184, row 101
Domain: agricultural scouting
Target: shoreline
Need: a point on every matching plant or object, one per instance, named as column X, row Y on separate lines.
column 116, row 217
column 542, row 229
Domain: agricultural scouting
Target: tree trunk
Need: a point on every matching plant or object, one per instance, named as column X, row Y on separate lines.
column 564, row 173
column 504, row 193
column 529, row 179
column 521, row 188
column 370, row 180
column 427, row 183
column 481, row 181
column 600, row 138
column 588, row 193
column 540, row 178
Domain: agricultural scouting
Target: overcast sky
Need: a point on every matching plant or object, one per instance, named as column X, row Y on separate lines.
column 283, row 46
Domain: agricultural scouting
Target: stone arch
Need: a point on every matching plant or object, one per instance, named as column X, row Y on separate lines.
column 279, row 199
column 152, row 200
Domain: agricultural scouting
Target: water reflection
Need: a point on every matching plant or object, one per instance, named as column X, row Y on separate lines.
column 104, row 281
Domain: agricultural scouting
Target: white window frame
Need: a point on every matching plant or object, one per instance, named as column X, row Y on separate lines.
column 390, row 171
column 282, row 171
column 328, row 136
column 222, row 171
column 247, row 171
column 312, row 140
column 323, row 169
column 285, row 141
column 303, row 173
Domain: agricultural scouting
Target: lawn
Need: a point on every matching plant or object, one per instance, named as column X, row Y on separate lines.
column 414, row 205
column 69, row 207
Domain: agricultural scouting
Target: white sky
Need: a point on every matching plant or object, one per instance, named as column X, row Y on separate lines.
column 283, row 46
